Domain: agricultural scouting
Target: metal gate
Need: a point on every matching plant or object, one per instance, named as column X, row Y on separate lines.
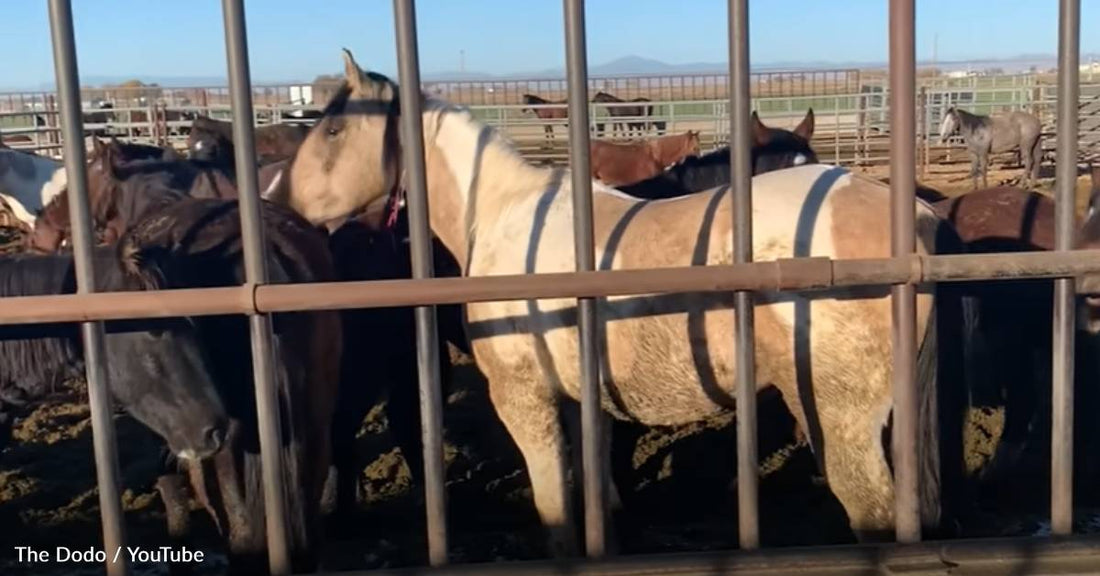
column 902, row 272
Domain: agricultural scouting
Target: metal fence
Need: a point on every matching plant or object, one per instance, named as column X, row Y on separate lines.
column 851, row 129
column 902, row 272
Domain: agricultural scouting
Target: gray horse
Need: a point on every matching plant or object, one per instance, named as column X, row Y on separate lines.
column 1016, row 130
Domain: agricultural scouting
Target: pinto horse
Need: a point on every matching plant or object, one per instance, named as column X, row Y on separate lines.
column 621, row 164
column 666, row 359
column 124, row 182
column 203, row 237
column 772, row 149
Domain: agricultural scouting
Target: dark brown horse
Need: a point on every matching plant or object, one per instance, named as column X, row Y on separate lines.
column 1016, row 317
column 212, row 140
column 159, row 372
column 560, row 112
column 382, row 367
column 203, row 237
column 625, row 112
column 123, row 184
column 625, row 163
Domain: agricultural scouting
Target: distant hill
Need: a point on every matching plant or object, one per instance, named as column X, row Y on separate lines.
column 625, row 66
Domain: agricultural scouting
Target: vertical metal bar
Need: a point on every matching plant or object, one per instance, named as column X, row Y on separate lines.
column 427, row 344
column 104, row 442
column 263, row 353
column 577, row 71
column 1061, row 484
column 748, row 523
column 903, row 297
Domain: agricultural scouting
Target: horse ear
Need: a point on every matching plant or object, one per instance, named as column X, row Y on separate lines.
column 99, row 149
column 759, row 131
column 352, row 73
column 806, row 128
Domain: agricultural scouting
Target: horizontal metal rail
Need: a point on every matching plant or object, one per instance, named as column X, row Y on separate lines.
column 794, row 274
column 1009, row 556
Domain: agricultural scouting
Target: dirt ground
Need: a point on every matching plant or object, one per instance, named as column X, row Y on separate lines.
column 678, row 485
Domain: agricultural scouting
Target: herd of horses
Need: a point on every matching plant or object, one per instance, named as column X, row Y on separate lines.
column 166, row 220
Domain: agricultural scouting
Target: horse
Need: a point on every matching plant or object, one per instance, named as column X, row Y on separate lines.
column 158, row 369
column 555, row 113
column 1088, row 237
column 24, row 179
column 1017, row 315
column 212, row 140
column 625, row 111
column 123, row 184
column 384, row 364
column 203, row 236
column 665, row 359
column 620, row 164
column 772, row 149
column 1017, row 130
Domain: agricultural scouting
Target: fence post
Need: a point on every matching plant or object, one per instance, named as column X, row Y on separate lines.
column 748, row 521
column 255, row 261
column 1061, row 483
column 903, row 297
column 427, row 342
column 104, row 442
column 594, row 462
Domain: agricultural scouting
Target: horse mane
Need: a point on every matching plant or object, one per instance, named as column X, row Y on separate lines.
column 497, row 151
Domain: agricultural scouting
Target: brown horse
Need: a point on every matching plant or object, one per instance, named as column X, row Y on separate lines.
column 203, row 236
column 666, row 359
column 621, row 164
column 1016, row 316
column 123, row 184
column 555, row 113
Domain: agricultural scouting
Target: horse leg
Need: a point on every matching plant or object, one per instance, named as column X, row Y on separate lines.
column 531, row 413
column 172, row 487
column 985, row 170
column 975, row 163
column 852, row 456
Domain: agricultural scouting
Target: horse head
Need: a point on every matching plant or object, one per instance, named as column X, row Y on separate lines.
column 949, row 124
column 351, row 156
column 775, row 148
column 692, row 146
column 210, row 141
column 1088, row 238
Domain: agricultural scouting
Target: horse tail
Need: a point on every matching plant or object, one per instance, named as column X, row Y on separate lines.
column 942, row 359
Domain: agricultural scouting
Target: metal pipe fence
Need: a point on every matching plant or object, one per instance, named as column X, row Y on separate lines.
column 851, row 129
column 904, row 273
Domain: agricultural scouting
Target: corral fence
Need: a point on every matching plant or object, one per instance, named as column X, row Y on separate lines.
column 902, row 271
column 852, row 126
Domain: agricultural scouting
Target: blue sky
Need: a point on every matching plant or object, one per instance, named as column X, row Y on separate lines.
column 296, row 40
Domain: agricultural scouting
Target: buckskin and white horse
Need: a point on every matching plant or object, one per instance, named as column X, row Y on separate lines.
column 666, row 359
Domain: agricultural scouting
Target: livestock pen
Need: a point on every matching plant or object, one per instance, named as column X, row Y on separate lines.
column 1062, row 554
